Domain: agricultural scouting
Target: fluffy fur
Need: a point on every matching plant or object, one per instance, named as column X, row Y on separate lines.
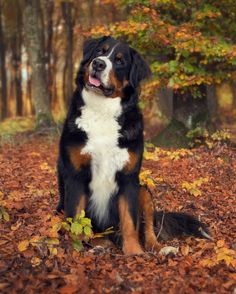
column 102, row 129
column 101, row 149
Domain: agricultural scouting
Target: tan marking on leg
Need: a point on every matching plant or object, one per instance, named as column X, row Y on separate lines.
column 133, row 159
column 77, row 159
column 147, row 208
column 81, row 205
column 129, row 233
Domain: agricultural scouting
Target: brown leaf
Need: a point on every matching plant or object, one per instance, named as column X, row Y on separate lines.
column 185, row 250
column 68, row 289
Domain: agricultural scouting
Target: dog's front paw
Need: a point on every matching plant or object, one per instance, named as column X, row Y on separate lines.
column 132, row 249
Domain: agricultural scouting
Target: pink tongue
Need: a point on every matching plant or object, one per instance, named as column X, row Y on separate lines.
column 94, row 82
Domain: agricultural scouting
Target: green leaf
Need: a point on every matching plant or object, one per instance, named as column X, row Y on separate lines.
column 77, row 245
column 54, row 241
column 56, row 227
column 80, row 215
column 70, row 220
column 66, row 226
column 171, row 82
column 87, row 231
column 173, row 65
column 76, row 228
column 85, row 221
column 6, row 216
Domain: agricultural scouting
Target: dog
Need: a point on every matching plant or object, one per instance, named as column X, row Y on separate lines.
column 101, row 149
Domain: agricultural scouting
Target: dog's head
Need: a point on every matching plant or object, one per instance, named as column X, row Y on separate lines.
column 110, row 66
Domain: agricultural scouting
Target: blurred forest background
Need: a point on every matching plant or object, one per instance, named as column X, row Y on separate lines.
column 190, row 45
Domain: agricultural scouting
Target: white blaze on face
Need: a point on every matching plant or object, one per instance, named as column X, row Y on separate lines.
column 106, row 72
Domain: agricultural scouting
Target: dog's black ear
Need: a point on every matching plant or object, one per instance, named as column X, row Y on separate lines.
column 140, row 70
column 90, row 46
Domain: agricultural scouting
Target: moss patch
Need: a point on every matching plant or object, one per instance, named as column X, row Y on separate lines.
column 12, row 126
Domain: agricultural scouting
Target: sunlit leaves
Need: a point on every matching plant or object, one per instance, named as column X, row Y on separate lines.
column 150, row 155
column 45, row 167
column 42, row 243
column 191, row 36
column 201, row 135
column 3, row 214
column 87, row 231
column 221, row 254
column 76, row 228
column 77, row 245
column 155, row 153
column 194, row 187
column 146, row 178
column 23, row 245
column 79, row 229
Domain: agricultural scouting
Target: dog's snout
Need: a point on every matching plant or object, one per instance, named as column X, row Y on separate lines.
column 98, row 64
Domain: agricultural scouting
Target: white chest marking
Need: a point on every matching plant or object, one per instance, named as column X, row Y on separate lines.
column 99, row 120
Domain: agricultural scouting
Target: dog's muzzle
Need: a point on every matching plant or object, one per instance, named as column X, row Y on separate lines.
column 97, row 79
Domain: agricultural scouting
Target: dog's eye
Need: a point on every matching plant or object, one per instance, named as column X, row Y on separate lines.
column 101, row 51
column 119, row 60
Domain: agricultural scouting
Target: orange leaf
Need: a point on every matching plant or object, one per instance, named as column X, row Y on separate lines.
column 23, row 245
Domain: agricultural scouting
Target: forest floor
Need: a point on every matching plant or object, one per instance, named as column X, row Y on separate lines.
column 201, row 181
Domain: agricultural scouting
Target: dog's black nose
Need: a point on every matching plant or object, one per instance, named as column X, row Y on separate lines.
column 98, row 64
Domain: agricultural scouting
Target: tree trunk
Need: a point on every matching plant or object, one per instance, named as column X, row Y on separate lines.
column 30, row 107
column 35, row 45
column 191, row 111
column 68, row 67
column 188, row 113
column 16, row 63
column 49, row 5
column 3, row 77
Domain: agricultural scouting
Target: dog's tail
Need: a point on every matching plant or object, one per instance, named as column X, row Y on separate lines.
column 168, row 225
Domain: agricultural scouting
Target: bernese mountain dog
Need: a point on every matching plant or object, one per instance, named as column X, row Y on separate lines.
column 101, row 149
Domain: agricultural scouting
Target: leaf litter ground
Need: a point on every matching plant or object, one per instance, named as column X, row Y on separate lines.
column 28, row 193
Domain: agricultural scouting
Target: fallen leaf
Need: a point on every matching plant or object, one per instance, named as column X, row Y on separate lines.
column 35, row 261
column 23, row 245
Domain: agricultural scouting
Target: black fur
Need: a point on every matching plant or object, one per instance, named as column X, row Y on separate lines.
column 75, row 183
column 168, row 225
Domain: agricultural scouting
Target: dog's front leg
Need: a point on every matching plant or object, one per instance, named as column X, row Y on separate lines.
column 129, row 221
column 75, row 198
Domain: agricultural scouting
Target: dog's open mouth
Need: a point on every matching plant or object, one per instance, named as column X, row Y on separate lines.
column 95, row 84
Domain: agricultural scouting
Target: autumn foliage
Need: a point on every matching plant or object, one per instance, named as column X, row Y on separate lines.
column 188, row 43
column 44, row 251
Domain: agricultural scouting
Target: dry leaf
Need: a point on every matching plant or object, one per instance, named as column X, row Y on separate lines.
column 23, row 245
